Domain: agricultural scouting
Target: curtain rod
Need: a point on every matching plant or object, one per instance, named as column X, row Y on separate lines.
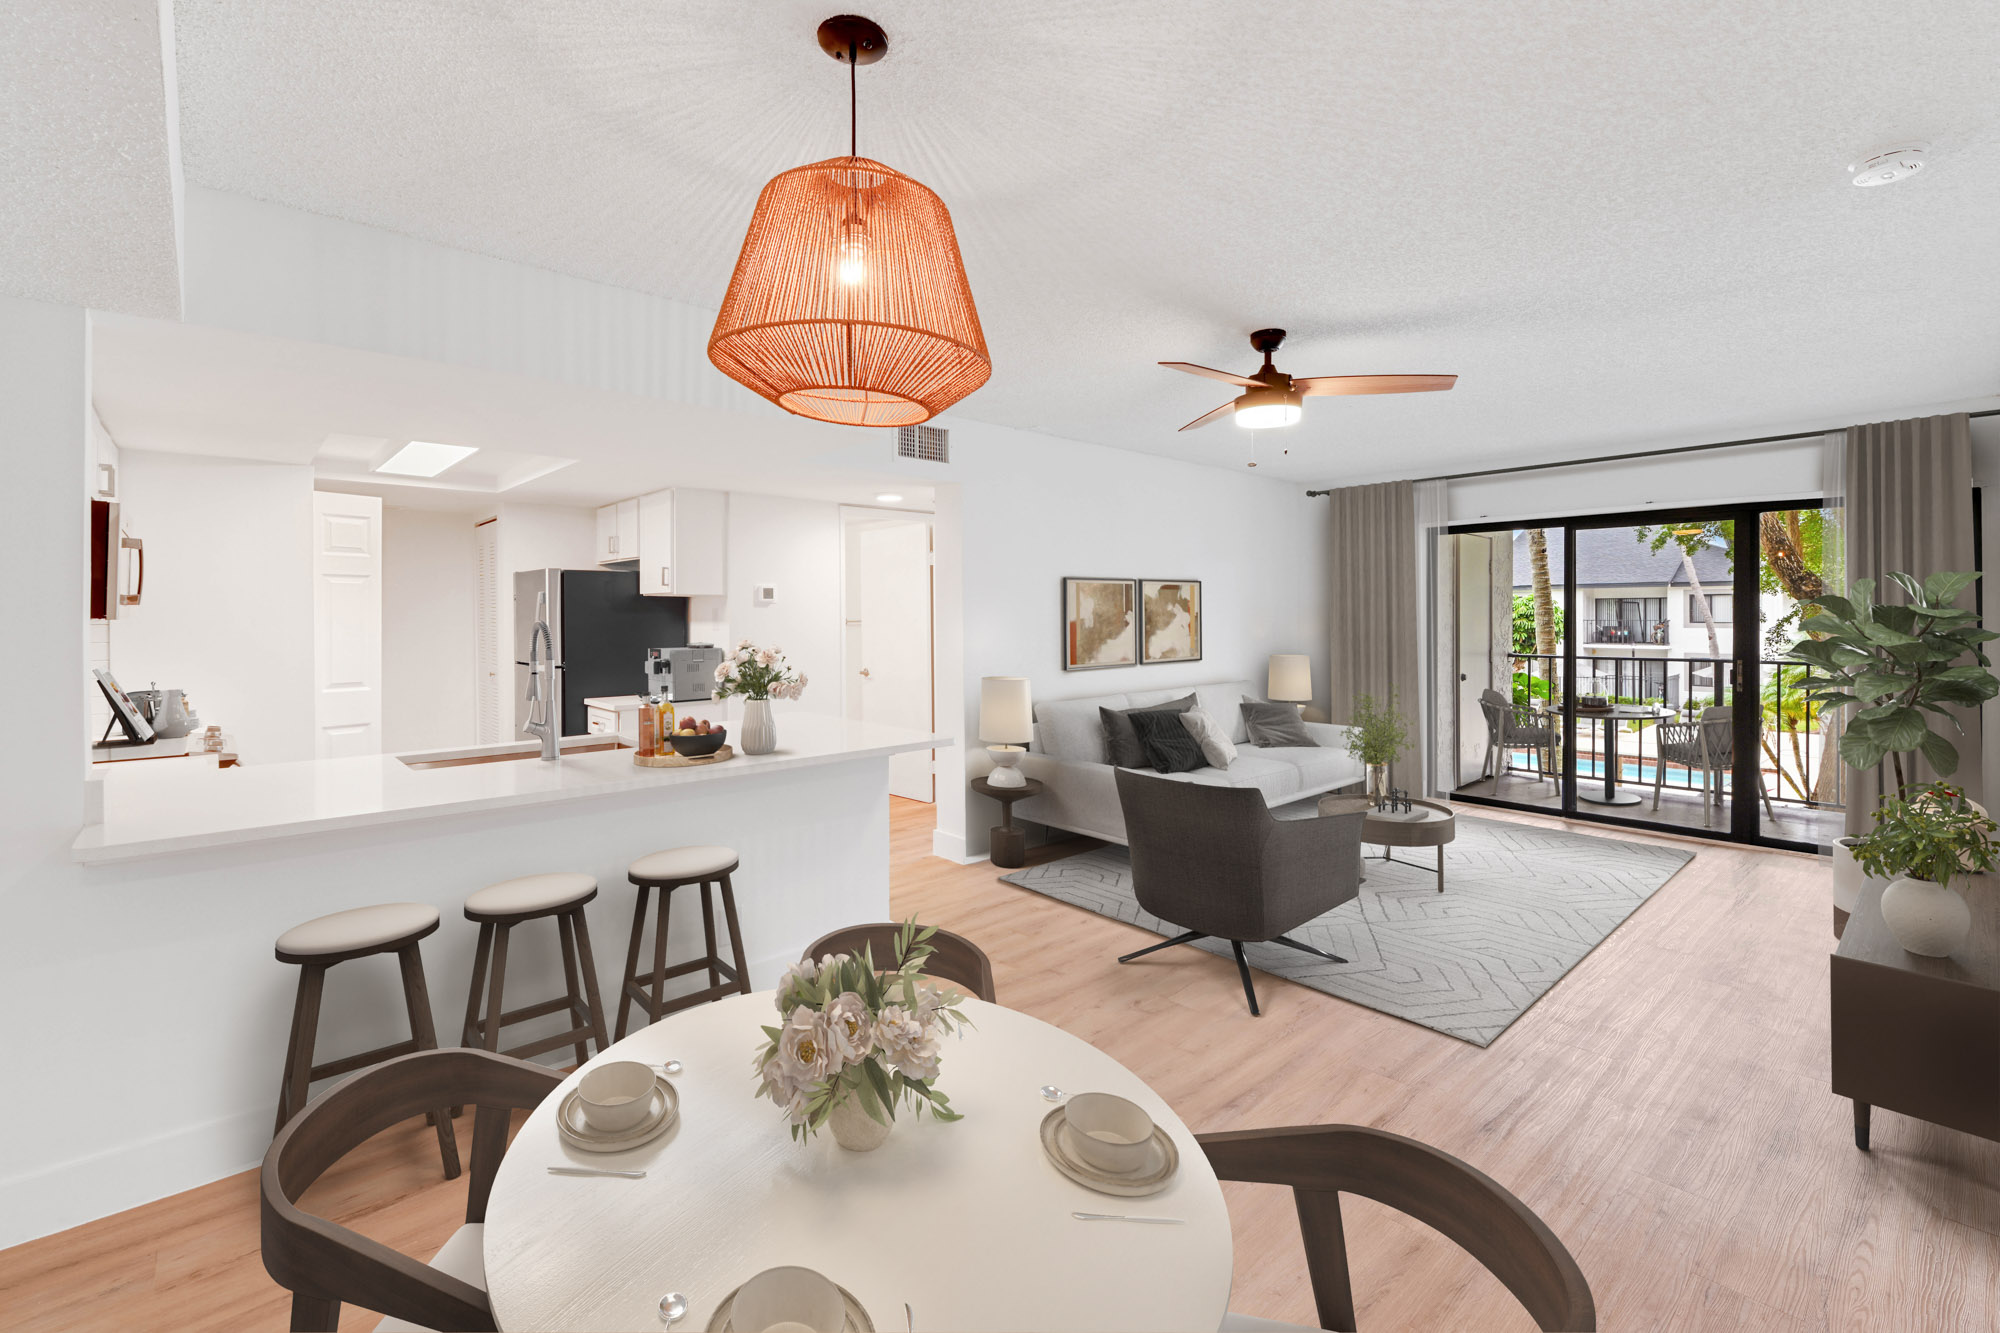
column 1643, row 453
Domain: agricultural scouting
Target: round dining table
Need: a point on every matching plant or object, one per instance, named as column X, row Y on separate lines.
column 967, row 1223
column 1612, row 719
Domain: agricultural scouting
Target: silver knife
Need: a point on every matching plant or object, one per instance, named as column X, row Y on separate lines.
column 1126, row 1217
column 595, row 1171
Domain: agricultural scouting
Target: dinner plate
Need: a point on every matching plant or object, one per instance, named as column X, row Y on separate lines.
column 1149, row 1179
column 857, row 1318
column 664, row 1113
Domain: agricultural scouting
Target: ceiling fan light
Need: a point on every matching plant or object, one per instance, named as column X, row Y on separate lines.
column 1264, row 409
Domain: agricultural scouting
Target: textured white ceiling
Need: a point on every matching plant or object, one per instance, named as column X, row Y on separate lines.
column 1616, row 222
column 86, row 192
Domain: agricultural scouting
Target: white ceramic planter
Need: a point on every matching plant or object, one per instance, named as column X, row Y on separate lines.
column 760, row 735
column 1926, row 918
column 855, row 1130
column 1848, row 876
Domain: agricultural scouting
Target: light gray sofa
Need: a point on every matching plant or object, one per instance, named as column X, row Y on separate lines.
column 1080, row 792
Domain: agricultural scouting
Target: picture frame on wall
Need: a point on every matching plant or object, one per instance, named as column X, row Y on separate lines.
column 1170, row 628
column 1100, row 623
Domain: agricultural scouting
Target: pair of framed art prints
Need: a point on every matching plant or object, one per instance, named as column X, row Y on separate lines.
column 1128, row 622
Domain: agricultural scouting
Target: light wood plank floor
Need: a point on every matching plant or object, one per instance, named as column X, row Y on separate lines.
column 1665, row 1109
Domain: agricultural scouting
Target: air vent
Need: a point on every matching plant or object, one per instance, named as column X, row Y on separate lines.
column 932, row 444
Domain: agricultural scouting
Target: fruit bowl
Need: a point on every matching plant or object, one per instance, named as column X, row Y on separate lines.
column 696, row 746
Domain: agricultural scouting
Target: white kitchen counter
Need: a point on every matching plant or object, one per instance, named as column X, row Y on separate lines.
column 151, row 809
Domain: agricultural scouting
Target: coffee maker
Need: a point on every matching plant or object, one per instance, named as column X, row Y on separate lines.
column 683, row 675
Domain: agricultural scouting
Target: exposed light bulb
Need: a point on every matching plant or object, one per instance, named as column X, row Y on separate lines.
column 1263, row 416
column 852, row 266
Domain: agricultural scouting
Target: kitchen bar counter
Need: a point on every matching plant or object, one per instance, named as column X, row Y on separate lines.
column 153, row 809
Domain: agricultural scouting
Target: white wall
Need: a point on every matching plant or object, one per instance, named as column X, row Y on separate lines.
column 796, row 546
column 534, row 537
column 430, row 630
column 227, row 612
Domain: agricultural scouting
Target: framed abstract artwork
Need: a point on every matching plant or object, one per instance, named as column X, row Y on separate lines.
column 1100, row 624
column 1170, row 620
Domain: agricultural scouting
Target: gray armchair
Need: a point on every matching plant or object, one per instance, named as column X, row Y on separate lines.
column 1213, row 859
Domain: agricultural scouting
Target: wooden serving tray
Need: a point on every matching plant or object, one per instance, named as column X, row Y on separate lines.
column 671, row 760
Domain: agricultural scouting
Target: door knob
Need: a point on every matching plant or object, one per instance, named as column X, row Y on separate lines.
column 864, row 671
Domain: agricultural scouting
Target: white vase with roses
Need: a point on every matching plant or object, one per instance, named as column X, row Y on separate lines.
column 759, row 675
column 853, row 1044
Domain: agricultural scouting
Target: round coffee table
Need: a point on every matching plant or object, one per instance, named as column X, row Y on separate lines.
column 1425, row 824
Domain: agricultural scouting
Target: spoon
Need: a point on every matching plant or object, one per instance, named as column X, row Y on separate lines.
column 670, row 1067
column 672, row 1306
column 1051, row 1093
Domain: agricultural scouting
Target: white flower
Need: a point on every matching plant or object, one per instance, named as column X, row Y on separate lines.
column 765, row 657
column 743, row 643
column 776, row 651
column 743, row 654
column 722, row 673
column 790, row 1094
column 907, row 1042
column 804, row 972
column 805, row 1049
column 852, row 1029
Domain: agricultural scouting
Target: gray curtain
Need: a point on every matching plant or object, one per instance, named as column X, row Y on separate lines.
column 1909, row 509
column 1377, row 609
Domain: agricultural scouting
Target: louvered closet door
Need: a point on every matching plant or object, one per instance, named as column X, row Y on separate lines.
column 488, row 665
column 347, row 620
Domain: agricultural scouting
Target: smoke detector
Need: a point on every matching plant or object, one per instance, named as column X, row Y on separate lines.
column 1886, row 166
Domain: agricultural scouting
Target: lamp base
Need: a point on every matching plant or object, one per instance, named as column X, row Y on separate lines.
column 1004, row 773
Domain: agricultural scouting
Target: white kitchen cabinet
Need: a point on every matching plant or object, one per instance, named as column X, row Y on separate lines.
column 618, row 532
column 683, row 540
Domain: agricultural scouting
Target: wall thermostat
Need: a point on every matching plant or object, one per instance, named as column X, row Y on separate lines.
column 765, row 593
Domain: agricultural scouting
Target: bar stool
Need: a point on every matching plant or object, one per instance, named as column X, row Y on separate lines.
column 316, row 945
column 666, row 871
column 498, row 908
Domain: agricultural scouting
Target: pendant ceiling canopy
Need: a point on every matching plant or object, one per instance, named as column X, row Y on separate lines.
column 849, row 302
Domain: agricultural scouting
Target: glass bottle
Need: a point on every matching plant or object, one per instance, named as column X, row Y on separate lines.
column 649, row 728
column 665, row 724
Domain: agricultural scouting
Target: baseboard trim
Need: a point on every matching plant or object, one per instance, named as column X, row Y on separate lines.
column 951, row 847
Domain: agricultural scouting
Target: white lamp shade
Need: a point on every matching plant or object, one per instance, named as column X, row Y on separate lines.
column 1006, row 714
column 1291, row 678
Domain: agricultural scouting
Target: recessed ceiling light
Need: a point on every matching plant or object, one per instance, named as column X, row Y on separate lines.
column 1885, row 166
column 423, row 458
column 889, row 499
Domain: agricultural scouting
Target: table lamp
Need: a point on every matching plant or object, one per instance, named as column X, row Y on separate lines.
column 1291, row 678
column 1006, row 724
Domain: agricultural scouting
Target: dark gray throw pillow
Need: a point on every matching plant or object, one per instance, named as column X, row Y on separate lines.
column 1168, row 744
column 1275, row 724
column 1122, row 746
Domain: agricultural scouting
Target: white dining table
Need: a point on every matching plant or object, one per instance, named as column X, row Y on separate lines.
column 967, row 1223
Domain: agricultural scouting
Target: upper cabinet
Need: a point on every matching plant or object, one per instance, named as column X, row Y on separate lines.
column 618, row 532
column 683, row 540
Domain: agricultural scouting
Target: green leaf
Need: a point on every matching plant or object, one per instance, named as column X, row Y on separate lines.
column 1840, row 606
column 1895, row 726
column 1887, row 637
column 1978, row 677
column 1940, row 754
column 877, row 1083
column 1945, row 587
column 1860, row 749
column 1908, row 584
column 1831, row 627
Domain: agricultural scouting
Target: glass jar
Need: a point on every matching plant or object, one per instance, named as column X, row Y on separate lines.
column 649, row 727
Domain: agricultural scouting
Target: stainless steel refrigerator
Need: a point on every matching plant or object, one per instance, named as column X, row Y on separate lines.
column 600, row 627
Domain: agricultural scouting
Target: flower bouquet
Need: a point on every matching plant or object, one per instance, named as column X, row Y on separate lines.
column 852, row 1039
column 758, row 673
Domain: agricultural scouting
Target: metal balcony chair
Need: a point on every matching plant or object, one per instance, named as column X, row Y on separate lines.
column 1511, row 726
column 1708, row 745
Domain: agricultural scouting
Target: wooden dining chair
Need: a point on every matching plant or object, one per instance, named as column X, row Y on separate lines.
column 1321, row 1162
column 955, row 958
column 322, row 1263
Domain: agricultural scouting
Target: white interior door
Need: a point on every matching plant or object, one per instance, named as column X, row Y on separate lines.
column 486, row 539
column 1474, row 553
column 347, row 624
column 893, row 591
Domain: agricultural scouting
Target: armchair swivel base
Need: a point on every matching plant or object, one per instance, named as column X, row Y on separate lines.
column 1242, row 965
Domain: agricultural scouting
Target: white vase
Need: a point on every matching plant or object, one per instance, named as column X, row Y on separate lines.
column 759, row 735
column 1926, row 918
column 1848, row 876
column 853, row 1128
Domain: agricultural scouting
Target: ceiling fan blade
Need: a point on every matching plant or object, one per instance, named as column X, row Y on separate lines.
column 1226, row 377
column 1348, row 384
column 1222, row 411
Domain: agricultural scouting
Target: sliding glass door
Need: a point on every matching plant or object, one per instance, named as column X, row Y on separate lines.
column 1625, row 668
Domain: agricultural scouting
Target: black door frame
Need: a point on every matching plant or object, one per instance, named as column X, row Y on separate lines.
column 1745, row 666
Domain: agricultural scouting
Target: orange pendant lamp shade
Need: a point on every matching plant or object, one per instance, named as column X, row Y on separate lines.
column 849, row 302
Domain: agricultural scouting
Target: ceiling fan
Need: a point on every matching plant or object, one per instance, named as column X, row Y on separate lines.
column 1271, row 397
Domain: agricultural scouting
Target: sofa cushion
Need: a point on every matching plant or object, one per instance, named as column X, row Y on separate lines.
column 1169, row 745
column 1276, row 779
column 1122, row 745
column 1317, row 766
column 1274, row 723
column 1215, row 744
column 1071, row 729
column 1221, row 703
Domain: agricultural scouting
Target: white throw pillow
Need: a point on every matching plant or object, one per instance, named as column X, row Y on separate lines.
column 1215, row 744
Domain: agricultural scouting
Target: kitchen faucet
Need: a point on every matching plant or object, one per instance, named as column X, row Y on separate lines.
column 542, row 719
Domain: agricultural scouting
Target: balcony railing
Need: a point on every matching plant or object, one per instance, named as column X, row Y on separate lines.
column 1626, row 631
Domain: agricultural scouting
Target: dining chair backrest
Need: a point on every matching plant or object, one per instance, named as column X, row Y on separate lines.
column 1493, row 705
column 324, row 1264
column 954, row 958
column 1679, row 742
column 1718, row 733
column 1321, row 1162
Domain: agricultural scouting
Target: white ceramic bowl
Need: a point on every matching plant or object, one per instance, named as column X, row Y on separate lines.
column 1110, row 1133
column 787, row 1296
column 616, row 1096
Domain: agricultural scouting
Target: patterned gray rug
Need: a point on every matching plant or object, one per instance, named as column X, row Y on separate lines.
column 1522, row 905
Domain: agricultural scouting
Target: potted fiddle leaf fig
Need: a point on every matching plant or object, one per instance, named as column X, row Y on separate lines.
column 1895, row 668
column 1920, row 846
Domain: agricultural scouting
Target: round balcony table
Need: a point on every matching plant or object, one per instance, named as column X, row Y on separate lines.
column 1610, row 720
column 968, row 1222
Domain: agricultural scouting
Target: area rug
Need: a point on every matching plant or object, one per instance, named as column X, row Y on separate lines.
column 1522, row 905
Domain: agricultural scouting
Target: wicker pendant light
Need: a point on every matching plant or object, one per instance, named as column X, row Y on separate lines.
column 849, row 302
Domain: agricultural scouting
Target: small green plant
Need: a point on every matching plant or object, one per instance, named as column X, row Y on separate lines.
column 1377, row 735
column 1935, row 835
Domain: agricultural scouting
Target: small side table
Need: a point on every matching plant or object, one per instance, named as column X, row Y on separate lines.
column 1009, row 844
column 1428, row 824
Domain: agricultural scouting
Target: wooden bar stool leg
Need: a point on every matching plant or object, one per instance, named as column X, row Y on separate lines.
column 570, row 989
column 735, row 936
column 423, row 1030
column 658, row 997
column 493, row 1009
column 305, row 1027
column 480, row 952
column 631, row 971
column 708, row 934
column 589, row 966
column 291, row 1056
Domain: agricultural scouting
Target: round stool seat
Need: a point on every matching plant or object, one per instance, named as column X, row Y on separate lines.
column 529, row 893
column 358, row 929
column 683, row 863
